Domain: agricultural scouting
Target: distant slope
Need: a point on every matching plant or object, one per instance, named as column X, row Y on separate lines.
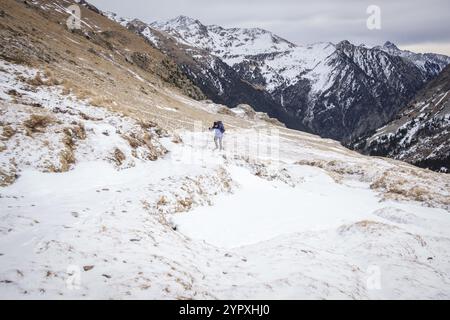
column 421, row 133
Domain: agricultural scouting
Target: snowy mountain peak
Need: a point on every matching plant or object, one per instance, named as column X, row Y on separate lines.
column 180, row 22
column 390, row 46
column 430, row 64
column 227, row 43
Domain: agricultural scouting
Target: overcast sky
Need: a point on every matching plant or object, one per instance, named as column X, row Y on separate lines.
column 417, row 25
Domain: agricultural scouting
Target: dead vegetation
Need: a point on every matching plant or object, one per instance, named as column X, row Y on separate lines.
column 14, row 93
column 395, row 184
column 47, row 80
column 399, row 188
column 152, row 150
column 366, row 227
column 8, row 132
column 67, row 155
column 7, row 178
column 87, row 117
column 118, row 157
column 190, row 192
column 225, row 110
column 100, row 101
column 176, row 138
column 37, row 123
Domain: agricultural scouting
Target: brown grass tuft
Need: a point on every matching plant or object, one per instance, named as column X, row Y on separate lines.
column 48, row 79
column 101, row 101
column 177, row 139
column 38, row 123
column 8, row 132
column 118, row 156
column 226, row 111
column 7, row 178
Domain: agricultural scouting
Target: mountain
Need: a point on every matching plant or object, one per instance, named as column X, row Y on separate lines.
column 420, row 134
column 217, row 79
column 110, row 187
column 339, row 91
column 431, row 64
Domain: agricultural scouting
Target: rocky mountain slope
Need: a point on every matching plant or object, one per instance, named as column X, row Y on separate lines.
column 217, row 79
column 421, row 133
column 339, row 90
column 431, row 64
column 110, row 187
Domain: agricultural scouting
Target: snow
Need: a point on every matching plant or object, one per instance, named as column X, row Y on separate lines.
column 264, row 210
column 442, row 98
column 236, row 41
column 426, row 62
column 249, row 222
column 147, row 33
column 284, row 64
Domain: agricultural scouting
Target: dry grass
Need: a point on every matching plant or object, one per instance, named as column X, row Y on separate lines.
column 38, row 123
column 8, row 132
column 184, row 204
column 48, row 80
column 14, row 93
column 366, row 226
column 118, row 156
column 162, row 201
column 177, row 139
column 7, row 178
column 67, row 155
column 397, row 184
column 133, row 141
column 100, row 101
column 67, row 159
column 87, row 117
column 82, row 94
column 66, row 91
column 144, row 140
column 226, row 111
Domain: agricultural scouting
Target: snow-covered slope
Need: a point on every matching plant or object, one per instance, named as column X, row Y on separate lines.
column 279, row 214
column 229, row 44
column 431, row 64
column 110, row 188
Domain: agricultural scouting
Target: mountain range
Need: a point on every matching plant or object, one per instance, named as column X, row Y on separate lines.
column 340, row 91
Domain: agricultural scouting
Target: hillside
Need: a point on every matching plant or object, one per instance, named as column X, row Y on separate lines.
column 420, row 135
column 110, row 187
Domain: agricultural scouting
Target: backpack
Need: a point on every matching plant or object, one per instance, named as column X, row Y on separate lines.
column 220, row 126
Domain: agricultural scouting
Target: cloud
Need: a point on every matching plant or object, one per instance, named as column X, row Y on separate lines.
column 408, row 23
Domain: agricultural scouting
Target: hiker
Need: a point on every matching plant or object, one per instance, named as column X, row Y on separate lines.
column 219, row 130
